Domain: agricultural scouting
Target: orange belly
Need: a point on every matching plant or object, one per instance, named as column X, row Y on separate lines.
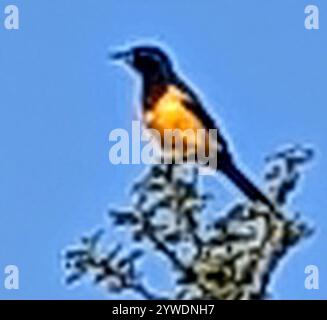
column 177, row 127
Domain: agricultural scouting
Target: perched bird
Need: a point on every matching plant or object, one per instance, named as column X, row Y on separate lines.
column 168, row 103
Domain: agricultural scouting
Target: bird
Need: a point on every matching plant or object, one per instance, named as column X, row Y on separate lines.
column 169, row 103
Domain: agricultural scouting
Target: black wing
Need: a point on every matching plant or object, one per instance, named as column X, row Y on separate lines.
column 194, row 104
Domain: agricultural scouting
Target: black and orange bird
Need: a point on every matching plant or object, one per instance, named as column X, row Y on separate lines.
column 169, row 103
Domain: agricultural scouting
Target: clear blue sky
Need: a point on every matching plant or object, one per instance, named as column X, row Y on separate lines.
column 256, row 66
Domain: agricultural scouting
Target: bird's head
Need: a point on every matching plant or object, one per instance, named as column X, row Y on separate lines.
column 151, row 62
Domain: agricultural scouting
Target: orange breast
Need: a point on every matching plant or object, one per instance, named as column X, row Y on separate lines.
column 170, row 112
column 173, row 120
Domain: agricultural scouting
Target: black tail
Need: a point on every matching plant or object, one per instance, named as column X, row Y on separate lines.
column 244, row 184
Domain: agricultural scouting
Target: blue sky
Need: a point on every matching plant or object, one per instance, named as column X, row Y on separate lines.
column 255, row 63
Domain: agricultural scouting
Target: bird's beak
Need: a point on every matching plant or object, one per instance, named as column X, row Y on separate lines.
column 125, row 56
